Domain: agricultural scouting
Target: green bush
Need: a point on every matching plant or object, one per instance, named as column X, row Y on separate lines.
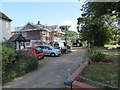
column 15, row 63
column 8, row 43
column 23, row 64
column 97, row 57
column 26, row 62
column 8, row 57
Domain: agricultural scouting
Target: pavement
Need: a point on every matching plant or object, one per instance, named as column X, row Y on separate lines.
column 53, row 73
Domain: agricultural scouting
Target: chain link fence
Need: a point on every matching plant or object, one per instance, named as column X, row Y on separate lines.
column 98, row 83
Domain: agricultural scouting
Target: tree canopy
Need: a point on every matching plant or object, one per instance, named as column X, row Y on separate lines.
column 98, row 9
column 72, row 35
column 98, row 22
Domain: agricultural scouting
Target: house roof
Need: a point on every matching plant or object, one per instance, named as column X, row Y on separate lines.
column 3, row 16
column 17, row 37
column 53, row 27
column 30, row 26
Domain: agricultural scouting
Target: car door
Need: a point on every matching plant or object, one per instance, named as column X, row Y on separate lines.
column 47, row 50
column 44, row 50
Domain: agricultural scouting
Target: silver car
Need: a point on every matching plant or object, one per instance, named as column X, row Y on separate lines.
column 49, row 50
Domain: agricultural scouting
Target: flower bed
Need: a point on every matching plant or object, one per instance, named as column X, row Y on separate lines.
column 105, row 55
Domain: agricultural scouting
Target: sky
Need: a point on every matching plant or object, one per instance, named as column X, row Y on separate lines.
column 49, row 13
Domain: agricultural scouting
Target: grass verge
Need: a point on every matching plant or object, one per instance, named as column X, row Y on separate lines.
column 106, row 74
column 111, row 54
column 114, row 46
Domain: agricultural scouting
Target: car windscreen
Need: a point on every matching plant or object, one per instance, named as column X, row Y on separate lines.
column 38, row 50
column 40, row 47
column 51, row 47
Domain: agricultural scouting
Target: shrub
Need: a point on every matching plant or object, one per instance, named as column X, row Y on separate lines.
column 8, row 43
column 15, row 63
column 97, row 57
column 8, row 57
column 23, row 64
column 26, row 62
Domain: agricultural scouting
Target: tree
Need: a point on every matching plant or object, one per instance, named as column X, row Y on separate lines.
column 71, row 35
column 101, row 8
column 97, row 22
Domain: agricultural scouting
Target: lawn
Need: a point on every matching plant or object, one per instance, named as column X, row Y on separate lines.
column 106, row 74
column 114, row 46
column 111, row 54
column 102, row 73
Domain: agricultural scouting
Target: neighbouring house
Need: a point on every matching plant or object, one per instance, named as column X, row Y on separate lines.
column 36, row 33
column 39, row 34
column 56, row 35
column 4, row 27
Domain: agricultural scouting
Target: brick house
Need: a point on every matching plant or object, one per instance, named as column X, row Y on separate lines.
column 39, row 34
column 56, row 34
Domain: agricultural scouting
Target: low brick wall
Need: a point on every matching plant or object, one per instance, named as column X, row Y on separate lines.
column 77, row 84
column 75, row 76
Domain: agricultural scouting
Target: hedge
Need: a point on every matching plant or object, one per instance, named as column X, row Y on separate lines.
column 15, row 63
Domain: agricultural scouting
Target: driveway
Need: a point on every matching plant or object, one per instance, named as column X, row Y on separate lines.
column 53, row 74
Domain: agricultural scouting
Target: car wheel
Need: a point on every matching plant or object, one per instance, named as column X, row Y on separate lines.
column 59, row 55
column 52, row 54
column 42, row 58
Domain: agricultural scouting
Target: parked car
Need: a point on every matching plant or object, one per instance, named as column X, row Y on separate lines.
column 49, row 50
column 34, row 51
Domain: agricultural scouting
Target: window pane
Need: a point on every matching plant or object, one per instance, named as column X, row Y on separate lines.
column 38, row 50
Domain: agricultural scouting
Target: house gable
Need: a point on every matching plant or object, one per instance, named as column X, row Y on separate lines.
column 28, row 26
column 17, row 37
column 3, row 16
column 52, row 28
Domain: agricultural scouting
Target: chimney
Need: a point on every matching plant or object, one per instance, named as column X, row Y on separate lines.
column 39, row 23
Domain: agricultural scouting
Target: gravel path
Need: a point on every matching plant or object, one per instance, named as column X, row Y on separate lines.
column 53, row 74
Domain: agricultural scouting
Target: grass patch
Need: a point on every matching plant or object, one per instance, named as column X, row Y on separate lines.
column 106, row 74
column 111, row 54
column 114, row 55
column 114, row 46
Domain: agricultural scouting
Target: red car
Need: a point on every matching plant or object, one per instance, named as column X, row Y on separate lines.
column 34, row 51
